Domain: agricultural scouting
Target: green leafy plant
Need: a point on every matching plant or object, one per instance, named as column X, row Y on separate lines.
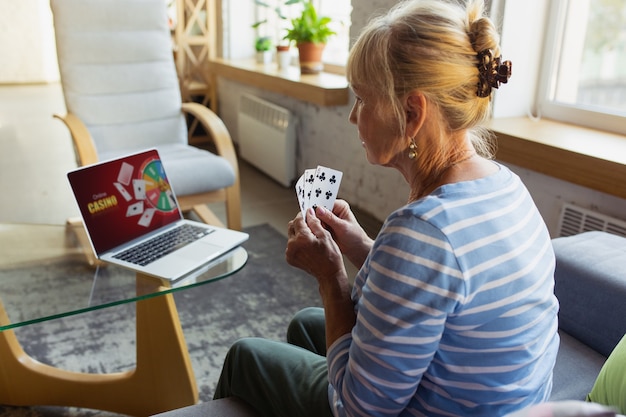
column 263, row 43
column 309, row 27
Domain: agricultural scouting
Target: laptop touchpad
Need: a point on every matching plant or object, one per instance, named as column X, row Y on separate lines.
column 198, row 250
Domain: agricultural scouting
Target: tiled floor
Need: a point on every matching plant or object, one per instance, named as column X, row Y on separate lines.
column 36, row 153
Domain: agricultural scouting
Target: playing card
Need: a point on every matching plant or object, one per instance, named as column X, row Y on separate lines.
column 309, row 178
column 325, row 187
column 134, row 209
column 146, row 217
column 300, row 194
column 126, row 171
column 123, row 191
column 139, row 186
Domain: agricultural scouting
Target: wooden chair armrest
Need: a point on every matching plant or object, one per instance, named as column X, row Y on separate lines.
column 216, row 130
column 84, row 147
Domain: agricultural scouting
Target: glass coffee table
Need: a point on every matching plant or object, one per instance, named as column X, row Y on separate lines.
column 162, row 379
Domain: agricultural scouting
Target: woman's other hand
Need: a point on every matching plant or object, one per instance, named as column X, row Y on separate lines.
column 346, row 231
column 311, row 248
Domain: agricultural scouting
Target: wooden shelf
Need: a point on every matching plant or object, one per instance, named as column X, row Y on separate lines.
column 587, row 157
column 324, row 89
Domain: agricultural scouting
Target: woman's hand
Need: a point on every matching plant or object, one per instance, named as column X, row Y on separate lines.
column 346, row 231
column 311, row 248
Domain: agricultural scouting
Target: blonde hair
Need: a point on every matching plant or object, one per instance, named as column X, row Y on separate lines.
column 430, row 46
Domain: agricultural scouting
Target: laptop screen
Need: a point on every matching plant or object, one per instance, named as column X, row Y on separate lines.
column 123, row 199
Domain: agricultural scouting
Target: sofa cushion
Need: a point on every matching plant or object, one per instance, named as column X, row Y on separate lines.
column 590, row 283
column 610, row 387
column 576, row 369
column 565, row 409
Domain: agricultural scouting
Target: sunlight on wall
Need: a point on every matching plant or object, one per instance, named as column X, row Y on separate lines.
column 27, row 42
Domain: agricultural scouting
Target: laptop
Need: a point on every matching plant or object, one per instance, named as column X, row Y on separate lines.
column 133, row 219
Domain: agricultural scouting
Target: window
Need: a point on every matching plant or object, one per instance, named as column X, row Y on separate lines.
column 584, row 65
column 275, row 15
column 338, row 46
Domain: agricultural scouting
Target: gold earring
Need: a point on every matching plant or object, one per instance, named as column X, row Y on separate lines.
column 412, row 150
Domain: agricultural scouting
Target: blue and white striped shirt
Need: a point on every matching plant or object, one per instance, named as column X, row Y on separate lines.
column 456, row 313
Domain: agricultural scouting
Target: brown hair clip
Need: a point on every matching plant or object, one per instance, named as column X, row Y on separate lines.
column 491, row 72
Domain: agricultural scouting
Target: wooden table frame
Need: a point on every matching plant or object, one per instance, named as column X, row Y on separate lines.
column 163, row 378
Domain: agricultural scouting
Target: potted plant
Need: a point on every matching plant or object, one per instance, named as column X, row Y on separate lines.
column 263, row 46
column 309, row 32
column 282, row 48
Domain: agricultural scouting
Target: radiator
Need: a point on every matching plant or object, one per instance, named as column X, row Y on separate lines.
column 267, row 138
column 574, row 220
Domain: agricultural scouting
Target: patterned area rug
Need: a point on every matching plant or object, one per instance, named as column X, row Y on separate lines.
column 257, row 301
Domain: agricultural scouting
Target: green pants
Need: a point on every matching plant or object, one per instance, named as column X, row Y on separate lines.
column 281, row 379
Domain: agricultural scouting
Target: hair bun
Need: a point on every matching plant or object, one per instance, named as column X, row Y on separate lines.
column 491, row 72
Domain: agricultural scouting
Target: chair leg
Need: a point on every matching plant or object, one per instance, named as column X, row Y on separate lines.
column 206, row 215
column 233, row 206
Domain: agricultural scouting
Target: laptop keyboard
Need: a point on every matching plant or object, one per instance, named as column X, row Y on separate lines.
column 159, row 246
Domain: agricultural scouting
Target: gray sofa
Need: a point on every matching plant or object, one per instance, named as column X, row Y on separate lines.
column 591, row 288
column 590, row 283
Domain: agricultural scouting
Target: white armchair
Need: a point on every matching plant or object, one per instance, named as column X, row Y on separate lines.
column 122, row 94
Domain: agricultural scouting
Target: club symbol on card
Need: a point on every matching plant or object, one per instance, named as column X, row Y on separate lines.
column 322, row 176
column 328, row 195
column 318, row 192
column 333, row 179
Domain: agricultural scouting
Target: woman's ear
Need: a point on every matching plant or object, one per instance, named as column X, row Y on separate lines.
column 415, row 107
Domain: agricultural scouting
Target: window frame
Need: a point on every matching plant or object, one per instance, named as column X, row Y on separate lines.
column 544, row 104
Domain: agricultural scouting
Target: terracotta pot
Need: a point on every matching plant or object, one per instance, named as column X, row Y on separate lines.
column 310, row 56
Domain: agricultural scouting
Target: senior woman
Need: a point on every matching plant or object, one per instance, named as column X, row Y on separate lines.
column 452, row 312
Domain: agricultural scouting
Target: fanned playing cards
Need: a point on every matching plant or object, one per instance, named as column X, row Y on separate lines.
column 318, row 187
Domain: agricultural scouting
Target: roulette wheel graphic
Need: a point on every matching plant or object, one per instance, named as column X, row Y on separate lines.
column 158, row 190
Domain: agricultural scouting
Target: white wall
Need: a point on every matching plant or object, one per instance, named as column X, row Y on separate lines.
column 27, row 50
column 550, row 193
column 523, row 34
